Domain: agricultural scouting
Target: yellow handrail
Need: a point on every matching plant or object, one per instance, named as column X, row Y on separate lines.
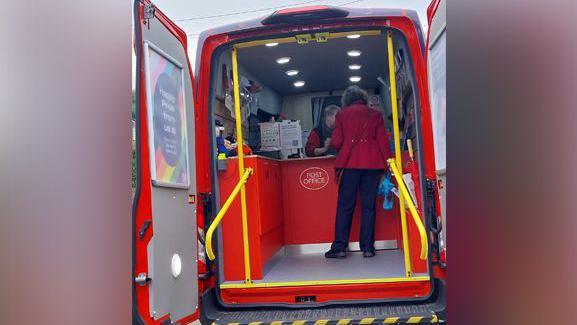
column 222, row 212
column 397, row 137
column 240, row 151
column 414, row 213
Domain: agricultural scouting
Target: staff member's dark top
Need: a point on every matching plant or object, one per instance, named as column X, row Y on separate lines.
column 317, row 139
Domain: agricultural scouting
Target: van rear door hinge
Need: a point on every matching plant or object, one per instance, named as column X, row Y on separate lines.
column 142, row 279
column 431, row 212
column 144, row 228
column 432, row 206
column 148, row 11
column 205, row 197
column 206, row 200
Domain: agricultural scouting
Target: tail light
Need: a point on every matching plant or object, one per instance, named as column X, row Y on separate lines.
column 296, row 15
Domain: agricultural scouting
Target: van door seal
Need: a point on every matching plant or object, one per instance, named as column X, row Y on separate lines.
column 431, row 206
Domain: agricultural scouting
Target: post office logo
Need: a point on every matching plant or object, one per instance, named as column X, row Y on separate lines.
column 314, row 178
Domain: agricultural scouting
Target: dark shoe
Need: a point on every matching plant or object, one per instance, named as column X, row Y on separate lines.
column 368, row 253
column 333, row 253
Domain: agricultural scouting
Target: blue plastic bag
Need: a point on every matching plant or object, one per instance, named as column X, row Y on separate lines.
column 386, row 190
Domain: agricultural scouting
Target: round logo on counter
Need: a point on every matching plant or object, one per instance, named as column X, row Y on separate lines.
column 314, row 178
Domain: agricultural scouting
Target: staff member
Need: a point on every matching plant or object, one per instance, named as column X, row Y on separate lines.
column 318, row 143
column 360, row 138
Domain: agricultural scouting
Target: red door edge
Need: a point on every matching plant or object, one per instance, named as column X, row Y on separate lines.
column 440, row 267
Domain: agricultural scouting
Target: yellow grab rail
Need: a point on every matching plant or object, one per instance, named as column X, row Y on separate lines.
column 240, row 151
column 222, row 212
column 414, row 213
column 397, row 137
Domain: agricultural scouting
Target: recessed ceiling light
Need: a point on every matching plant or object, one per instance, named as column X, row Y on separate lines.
column 353, row 36
column 355, row 66
column 283, row 60
column 354, row 53
column 271, row 44
column 299, row 83
column 355, row 79
column 292, row 72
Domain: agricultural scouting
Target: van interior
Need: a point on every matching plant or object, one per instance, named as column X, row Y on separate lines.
column 291, row 198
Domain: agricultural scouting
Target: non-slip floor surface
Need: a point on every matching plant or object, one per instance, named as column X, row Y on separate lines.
column 312, row 267
column 432, row 311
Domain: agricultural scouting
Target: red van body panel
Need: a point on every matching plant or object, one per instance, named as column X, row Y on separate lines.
column 405, row 21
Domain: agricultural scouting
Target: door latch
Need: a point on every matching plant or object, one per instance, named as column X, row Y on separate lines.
column 144, row 228
column 148, row 11
column 322, row 37
column 142, row 279
column 303, row 38
column 147, row 14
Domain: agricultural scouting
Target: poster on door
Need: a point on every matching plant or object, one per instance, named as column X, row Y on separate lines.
column 166, row 116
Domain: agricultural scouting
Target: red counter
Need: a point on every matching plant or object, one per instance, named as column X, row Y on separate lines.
column 264, row 214
column 310, row 204
column 289, row 202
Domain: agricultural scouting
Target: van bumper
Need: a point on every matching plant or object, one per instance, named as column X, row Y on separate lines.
column 431, row 311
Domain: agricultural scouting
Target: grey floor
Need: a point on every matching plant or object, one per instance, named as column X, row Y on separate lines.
column 312, row 267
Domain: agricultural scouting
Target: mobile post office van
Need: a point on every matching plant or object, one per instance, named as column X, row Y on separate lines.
column 237, row 235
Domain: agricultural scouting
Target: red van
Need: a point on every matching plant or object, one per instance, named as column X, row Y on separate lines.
column 231, row 218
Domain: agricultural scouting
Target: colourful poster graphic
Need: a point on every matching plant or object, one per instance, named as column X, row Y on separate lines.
column 167, row 120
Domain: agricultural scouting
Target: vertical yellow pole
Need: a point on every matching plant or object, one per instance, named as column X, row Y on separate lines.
column 399, row 161
column 239, row 149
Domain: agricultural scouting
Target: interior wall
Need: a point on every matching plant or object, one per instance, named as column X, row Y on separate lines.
column 268, row 100
column 299, row 107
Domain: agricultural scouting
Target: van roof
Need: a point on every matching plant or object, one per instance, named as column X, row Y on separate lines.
column 353, row 13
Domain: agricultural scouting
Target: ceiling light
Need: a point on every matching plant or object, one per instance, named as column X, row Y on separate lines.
column 271, row 44
column 292, row 72
column 355, row 66
column 355, row 79
column 299, row 83
column 283, row 60
column 353, row 36
column 354, row 53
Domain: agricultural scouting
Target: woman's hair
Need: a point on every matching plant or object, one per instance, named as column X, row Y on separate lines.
column 354, row 94
column 331, row 110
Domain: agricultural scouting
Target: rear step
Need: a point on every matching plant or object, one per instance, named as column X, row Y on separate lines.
column 427, row 312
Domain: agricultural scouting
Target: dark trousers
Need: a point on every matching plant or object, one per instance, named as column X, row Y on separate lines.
column 353, row 181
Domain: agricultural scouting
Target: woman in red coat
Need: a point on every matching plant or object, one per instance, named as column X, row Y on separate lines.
column 361, row 141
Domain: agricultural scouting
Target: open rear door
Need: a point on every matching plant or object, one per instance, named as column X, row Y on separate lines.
column 437, row 72
column 164, row 209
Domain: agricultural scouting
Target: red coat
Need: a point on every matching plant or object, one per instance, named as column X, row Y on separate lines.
column 360, row 138
column 313, row 142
